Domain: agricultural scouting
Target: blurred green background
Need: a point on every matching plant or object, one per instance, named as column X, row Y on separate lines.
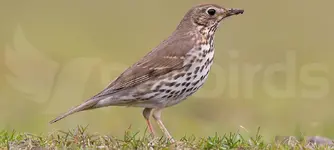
column 55, row 54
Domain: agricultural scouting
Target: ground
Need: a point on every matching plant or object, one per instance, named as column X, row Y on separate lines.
column 79, row 138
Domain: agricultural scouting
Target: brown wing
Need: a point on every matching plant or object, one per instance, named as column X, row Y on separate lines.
column 168, row 56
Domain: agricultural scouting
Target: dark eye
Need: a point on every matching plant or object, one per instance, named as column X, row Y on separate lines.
column 211, row 12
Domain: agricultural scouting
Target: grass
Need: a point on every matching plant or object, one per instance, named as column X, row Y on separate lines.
column 79, row 138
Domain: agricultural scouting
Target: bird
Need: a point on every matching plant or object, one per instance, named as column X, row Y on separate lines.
column 170, row 72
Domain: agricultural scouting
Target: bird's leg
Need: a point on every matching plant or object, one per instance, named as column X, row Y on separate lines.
column 146, row 114
column 157, row 117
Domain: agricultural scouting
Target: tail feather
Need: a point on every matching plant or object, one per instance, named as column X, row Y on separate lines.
column 84, row 106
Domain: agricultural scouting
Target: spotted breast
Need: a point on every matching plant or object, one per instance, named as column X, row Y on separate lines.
column 179, row 84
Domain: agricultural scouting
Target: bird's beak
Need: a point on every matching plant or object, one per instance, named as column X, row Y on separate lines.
column 233, row 11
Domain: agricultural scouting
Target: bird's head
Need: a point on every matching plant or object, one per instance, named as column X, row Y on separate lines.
column 208, row 15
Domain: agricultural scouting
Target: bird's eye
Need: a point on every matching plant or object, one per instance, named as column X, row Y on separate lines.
column 211, row 11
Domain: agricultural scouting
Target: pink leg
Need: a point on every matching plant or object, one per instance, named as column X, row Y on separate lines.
column 157, row 117
column 150, row 127
column 146, row 114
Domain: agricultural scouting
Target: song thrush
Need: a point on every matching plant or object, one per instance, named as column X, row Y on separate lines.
column 168, row 74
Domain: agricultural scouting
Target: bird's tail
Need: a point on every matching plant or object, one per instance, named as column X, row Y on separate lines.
column 84, row 106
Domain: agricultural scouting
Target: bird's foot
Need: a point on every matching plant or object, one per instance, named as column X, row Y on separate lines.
column 171, row 140
column 178, row 145
column 156, row 141
column 153, row 142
